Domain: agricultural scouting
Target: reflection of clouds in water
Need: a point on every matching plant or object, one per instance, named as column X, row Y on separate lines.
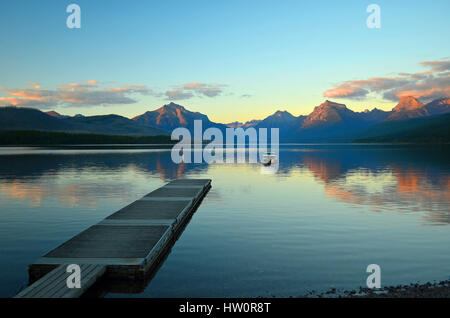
column 323, row 170
column 399, row 180
column 171, row 172
column 34, row 195
column 82, row 179
column 73, row 195
column 81, row 188
column 31, row 193
column 393, row 189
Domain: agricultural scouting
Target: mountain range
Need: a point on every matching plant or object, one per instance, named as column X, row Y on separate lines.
column 17, row 118
column 429, row 129
column 329, row 121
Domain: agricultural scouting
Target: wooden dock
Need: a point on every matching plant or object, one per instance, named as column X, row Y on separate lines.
column 126, row 245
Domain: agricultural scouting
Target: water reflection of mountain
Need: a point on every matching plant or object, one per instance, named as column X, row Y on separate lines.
column 326, row 162
column 335, row 161
column 13, row 167
column 406, row 179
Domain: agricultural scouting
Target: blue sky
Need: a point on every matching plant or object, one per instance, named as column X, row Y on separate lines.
column 232, row 60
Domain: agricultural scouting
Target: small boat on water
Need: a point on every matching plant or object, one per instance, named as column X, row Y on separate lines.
column 268, row 159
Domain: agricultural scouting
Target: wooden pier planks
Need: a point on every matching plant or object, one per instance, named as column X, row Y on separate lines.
column 53, row 284
column 128, row 243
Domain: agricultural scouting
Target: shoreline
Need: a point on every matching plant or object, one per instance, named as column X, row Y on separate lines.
column 439, row 289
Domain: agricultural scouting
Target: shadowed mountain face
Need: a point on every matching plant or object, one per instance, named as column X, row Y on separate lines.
column 438, row 107
column 284, row 121
column 280, row 119
column 374, row 116
column 13, row 118
column 422, row 129
column 108, row 124
column 172, row 116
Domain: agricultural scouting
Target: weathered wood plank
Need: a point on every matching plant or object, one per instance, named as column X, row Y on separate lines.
column 54, row 284
column 111, row 241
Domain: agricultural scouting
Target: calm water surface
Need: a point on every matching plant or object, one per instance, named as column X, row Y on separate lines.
column 315, row 224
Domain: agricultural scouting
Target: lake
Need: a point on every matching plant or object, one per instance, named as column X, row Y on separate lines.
column 315, row 224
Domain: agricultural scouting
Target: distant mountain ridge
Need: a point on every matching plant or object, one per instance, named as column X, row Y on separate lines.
column 332, row 122
column 375, row 115
column 17, row 118
column 283, row 120
column 423, row 129
column 279, row 119
column 438, row 106
column 328, row 122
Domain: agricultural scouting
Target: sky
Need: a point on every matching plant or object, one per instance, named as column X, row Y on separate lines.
column 232, row 60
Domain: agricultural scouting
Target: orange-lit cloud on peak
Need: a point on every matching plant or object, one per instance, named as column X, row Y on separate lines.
column 424, row 94
column 345, row 90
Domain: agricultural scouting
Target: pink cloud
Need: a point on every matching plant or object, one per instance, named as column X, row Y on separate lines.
column 346, row 90
column 194, row 85
column 430, row 84
column 88, row 93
